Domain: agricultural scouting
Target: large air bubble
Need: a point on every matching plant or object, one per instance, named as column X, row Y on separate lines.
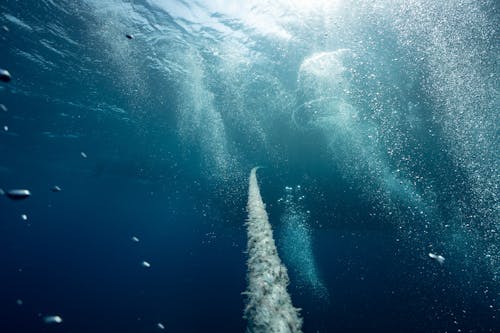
column 323, row 89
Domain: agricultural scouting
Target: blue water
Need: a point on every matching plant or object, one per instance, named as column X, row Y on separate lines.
column 376, row 124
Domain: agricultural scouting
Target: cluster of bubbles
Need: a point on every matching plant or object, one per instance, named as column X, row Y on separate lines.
column 395, row 88
column 296, row 239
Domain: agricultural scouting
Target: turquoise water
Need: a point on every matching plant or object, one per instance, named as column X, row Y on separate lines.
column 375, row 122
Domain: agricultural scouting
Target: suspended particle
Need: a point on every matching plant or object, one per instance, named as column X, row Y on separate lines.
column 52, row 319
column 3, row 108
column 5, row 75
column 146, row 264
column 56, row 189
column 5, row 28
column 19, row 302
column 18, row 194
column 6, row 128
column 2, row 192
column 83, row 154
column 135, row 239
column 437, row 257
column 160, row 326
column 129, row 36
column 24, row 217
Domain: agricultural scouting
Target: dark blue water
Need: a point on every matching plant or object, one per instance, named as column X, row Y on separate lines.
column 385, row 115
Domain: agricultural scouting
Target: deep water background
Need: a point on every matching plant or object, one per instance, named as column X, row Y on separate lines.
column 385, row 114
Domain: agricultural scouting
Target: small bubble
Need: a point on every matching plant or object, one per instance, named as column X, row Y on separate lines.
column 5, row 75
column 437, row 257
column 24, row 217
column 56, row 189
column 18, row 194
column 52, row 319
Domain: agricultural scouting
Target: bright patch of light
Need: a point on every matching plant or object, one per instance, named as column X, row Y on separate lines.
column 268, row 18
column 312, row 5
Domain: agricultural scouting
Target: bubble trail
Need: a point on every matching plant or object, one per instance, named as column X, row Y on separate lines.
column 269, row 307
column 297, row 241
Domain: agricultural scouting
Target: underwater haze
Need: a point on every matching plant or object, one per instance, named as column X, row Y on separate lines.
column 134, row 126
